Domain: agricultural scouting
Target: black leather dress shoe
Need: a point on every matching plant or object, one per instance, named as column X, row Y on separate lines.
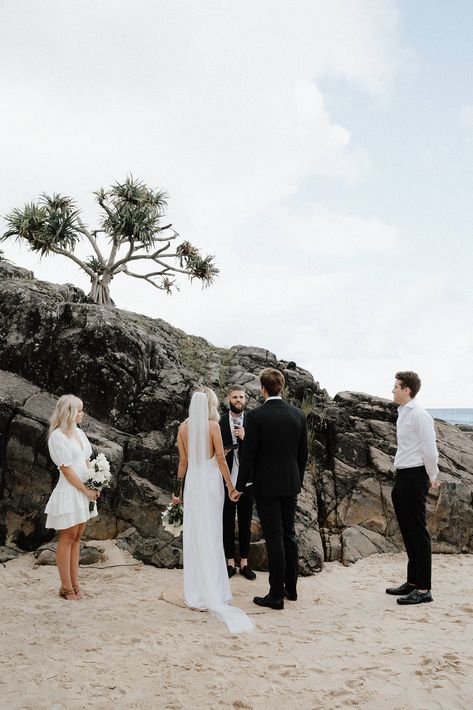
column 405, row 588
column 416, row 597
column 231, row 570
column 292, row 596
column 271, row 602
column 247, row 572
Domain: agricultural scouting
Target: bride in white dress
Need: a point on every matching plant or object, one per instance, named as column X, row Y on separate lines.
column 202, row 462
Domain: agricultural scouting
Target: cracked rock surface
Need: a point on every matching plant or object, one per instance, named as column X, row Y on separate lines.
column 135, row 375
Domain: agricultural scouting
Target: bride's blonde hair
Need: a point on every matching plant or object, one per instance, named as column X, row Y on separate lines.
column 213, row 403
column 65, row 413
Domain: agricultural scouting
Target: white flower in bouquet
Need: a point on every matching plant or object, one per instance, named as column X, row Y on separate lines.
column 101, row 476
column 173, row 519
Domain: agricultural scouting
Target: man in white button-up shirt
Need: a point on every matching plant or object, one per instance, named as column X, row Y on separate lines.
column 416, row 470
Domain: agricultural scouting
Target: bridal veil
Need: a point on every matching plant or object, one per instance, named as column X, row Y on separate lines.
column 206, row 582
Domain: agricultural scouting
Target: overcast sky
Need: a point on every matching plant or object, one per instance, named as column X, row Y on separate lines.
column 322, row 150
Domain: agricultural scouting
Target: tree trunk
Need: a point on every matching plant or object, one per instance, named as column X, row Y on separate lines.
column 100, row 291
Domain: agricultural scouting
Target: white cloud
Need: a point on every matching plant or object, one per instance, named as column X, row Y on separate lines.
column 210, row 99
column 324, row 232
column 223, row 104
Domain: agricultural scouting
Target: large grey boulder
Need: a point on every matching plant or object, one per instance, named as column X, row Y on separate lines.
column 135, row 375
column 354, row 489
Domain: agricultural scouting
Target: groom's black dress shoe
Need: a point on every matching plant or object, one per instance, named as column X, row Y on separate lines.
column 416, row 597
column 231, row 570
column 247, row 572
column 272, row 602
column 292, row 596
column 405, row 588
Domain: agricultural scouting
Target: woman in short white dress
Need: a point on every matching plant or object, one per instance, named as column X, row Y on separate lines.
column 68, row 505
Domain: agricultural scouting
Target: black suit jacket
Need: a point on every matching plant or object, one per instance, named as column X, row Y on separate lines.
column 228, row 439
column 275, row 453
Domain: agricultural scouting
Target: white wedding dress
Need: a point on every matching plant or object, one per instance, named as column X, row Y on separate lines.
column 206, row 584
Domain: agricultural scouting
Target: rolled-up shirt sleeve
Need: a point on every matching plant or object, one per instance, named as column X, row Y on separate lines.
column 424, row 426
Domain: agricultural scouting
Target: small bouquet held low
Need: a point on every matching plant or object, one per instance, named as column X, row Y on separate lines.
column 100, row 478
column 173, row 519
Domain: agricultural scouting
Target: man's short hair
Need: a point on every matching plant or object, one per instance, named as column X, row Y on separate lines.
column 273, row 381
column 409, row 379
column 235, row 388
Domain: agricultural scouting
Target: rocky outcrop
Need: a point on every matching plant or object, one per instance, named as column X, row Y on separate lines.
column 135, row 375
column 354, row 491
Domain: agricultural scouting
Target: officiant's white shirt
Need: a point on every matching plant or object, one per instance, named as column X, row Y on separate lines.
column 416, row 445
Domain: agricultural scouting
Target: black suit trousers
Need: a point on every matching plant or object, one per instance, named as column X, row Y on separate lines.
column 244, row 511
column 409, row 497
column 277, row 520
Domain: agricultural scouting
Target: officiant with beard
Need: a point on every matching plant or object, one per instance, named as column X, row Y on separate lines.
column 232, row 426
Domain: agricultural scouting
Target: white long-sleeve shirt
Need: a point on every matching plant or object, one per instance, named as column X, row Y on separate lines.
column 416, row 445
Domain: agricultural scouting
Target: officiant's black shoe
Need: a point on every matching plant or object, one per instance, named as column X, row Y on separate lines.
column 405, row 588
column 292, row 596
column 416, row 597
column 231, row 570
column 271, row 602
column 247, row 572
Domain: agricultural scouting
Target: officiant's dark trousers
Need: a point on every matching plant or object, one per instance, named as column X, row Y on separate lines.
column 409, row 497
column 244, row 511
column 277, row 520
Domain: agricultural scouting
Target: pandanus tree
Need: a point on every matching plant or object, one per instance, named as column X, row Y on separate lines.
column 132, row 222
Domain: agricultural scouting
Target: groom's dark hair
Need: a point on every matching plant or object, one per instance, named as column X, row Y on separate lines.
column 409, row 379
column 273, row 381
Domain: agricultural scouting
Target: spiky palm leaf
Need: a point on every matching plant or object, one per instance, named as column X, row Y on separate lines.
column 202, row 268
column 133, row 212
column 93, row 263
column 50, row 223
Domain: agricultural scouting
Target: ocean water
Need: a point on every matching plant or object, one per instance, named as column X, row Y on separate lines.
column 454, row 416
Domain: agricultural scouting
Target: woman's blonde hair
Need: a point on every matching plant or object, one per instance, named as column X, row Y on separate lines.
column 213, row 403
column 65, row 413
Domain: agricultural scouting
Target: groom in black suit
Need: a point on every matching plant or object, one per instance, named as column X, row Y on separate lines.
column 274, row 457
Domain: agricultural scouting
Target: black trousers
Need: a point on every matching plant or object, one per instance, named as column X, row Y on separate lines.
column 244, row 511
column 277, row 520
column 409, row 497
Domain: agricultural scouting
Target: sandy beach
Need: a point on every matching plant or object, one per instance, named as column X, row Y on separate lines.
column 132, row 644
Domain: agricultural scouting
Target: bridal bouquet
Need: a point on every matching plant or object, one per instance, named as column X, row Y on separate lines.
column 173, row 519
column 100, row 478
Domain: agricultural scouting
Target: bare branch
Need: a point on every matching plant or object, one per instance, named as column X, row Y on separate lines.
column 83, row 229
column 117, row 266
column 79, row 262
column 149, row 278
column 113, row 254
column 105, row 207
column 136, row 257
column 172, row 268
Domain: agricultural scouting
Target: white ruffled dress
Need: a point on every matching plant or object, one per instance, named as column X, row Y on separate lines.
column 68, row 506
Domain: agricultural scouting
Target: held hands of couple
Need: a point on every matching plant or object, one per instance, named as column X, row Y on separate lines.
column 234, row 495
column 435, row 483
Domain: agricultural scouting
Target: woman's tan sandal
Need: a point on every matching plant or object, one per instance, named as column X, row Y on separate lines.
column 68, row 594
column 77, row 592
